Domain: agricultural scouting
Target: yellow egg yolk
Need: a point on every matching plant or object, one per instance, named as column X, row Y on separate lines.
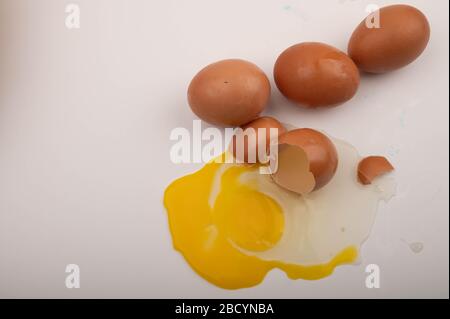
column 248, row 218
column 213, row 239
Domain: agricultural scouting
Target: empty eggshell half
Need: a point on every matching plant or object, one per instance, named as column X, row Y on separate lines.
column 371, row 167
column 292, row 170
column 320, row 151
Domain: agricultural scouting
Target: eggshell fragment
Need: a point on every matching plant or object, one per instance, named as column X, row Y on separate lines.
column 372, row 167
column 320, row 151
column 314, row 74
column 229, row 92
column 248, row 140
column 400, row 38
column 292, row 171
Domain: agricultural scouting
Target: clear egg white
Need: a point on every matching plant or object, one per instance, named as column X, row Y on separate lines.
column 318, row 226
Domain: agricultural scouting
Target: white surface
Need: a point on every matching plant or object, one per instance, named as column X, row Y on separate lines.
column 85, row 117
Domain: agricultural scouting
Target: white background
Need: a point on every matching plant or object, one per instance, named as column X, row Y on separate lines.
column 85, row 118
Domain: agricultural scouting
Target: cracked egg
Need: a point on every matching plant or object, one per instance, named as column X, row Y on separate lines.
column 233, row 224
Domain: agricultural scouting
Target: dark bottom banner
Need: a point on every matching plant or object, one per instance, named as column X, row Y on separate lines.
column 227, row 308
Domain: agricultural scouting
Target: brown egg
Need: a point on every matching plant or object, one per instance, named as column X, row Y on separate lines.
column 316, row 74
column 320, row 151
column 371, row 167
column 229, row 93
column 402, row 36
column 248, row 152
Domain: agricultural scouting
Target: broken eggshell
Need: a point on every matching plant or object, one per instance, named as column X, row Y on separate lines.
column 309, row 151
column 372, row 167
column 292, row 170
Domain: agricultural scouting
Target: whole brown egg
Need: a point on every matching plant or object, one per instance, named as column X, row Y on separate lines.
column 314, row 74
column 249, row 151
column 229, row 92
column 401, row 36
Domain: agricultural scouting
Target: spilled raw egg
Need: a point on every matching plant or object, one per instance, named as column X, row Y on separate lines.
column 233, row 224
